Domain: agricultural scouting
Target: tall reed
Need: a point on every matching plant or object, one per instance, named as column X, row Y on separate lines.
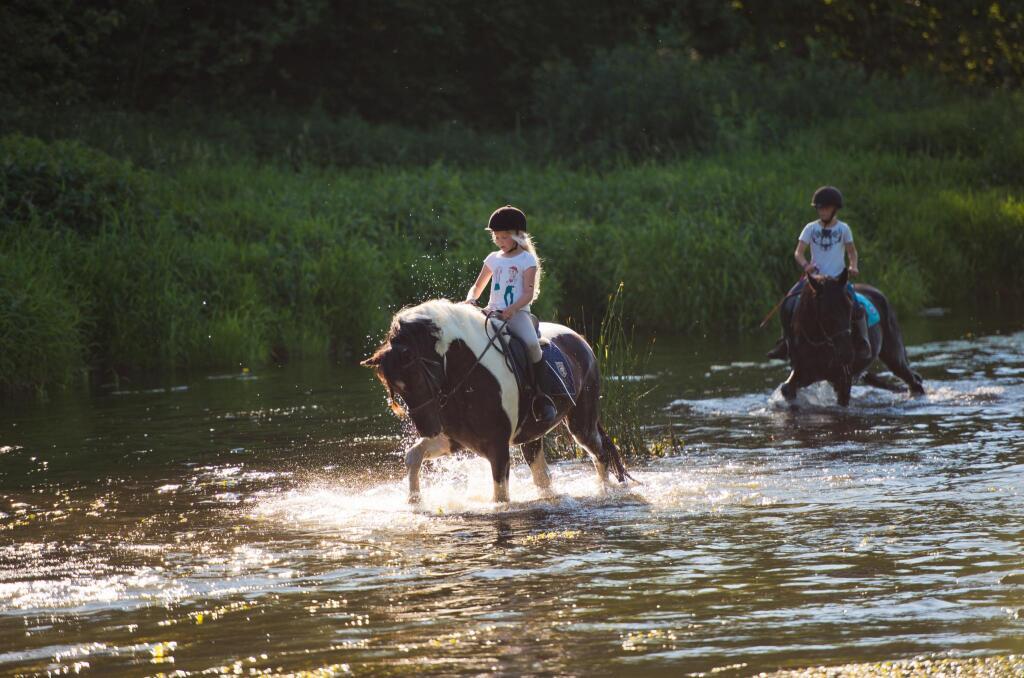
column 624, row 381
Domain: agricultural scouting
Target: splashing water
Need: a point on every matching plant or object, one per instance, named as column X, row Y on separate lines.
column 262, row 525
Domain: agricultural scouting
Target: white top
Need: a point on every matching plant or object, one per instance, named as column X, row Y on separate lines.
column 507, row 278
column 828, row 246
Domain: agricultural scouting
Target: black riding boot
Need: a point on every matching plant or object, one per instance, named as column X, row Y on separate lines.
column 781, row 349
column 543, row 408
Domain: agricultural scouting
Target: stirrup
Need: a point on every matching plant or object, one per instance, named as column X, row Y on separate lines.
column 543, row 408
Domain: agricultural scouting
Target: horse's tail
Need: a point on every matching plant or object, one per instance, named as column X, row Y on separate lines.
column 614, row 455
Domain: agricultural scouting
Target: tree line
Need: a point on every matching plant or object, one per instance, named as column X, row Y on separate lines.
column 421, row 63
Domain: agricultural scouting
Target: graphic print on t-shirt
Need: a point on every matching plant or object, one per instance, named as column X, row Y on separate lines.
column 825, row 238
column 507, row 277
column 510, row 285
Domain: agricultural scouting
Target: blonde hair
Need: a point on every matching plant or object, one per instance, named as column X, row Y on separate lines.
column 523, row 239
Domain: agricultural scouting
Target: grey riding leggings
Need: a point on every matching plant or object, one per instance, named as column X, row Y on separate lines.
column 521, row 326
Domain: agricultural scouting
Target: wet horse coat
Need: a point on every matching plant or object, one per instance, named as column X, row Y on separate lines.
column 460, row 394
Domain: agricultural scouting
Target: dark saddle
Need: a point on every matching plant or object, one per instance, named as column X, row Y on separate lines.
column 556, row 379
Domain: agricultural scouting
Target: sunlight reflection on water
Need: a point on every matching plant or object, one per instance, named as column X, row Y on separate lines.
column 257, row 535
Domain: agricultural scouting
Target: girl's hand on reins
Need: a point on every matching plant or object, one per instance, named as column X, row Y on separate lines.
column 506, row 314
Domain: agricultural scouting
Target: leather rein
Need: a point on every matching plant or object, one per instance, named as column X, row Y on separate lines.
column 435, row 381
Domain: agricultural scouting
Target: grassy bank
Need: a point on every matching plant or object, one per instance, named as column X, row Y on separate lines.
column 213, row 258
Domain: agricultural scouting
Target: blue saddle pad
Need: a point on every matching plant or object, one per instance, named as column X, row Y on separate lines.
column 558, row 380
column 869, row 308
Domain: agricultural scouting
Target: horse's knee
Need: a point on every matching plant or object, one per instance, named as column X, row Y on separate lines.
column 423, row 448
column 413, row 458
column 426, row 448
column 540, row 472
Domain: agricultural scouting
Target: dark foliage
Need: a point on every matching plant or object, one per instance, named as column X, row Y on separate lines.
column 422, row 63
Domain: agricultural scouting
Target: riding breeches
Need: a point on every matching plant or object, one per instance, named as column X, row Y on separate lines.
column 520, row 325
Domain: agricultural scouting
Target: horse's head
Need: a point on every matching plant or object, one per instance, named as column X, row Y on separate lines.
column 826, row 312
column 410, row 368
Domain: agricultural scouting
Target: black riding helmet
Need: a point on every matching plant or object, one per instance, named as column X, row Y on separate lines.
column 827, row 196
column 507, row 218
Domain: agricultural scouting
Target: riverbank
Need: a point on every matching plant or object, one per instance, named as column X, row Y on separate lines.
column 117, row 259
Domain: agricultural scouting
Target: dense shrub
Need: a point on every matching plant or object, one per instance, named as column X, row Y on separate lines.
column 216, row 258
column 41, row 328
column 64, row 185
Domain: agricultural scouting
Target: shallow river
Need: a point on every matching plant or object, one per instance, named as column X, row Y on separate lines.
column 257, row 522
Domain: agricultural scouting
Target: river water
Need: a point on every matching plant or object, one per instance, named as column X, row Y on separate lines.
column 257, row 522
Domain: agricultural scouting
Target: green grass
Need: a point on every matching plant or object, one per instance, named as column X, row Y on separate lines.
column 124, row 259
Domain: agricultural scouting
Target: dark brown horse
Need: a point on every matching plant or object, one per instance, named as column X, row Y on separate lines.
column 439, row 359
column 822, row 347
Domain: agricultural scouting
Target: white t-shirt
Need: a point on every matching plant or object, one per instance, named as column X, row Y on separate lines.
column 828, row 246
column 507, row 278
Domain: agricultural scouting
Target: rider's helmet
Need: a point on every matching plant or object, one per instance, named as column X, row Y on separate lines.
column 507, row 218
column 827, row 196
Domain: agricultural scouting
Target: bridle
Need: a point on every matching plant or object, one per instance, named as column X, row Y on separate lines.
column 435, row 373
column 829, row 339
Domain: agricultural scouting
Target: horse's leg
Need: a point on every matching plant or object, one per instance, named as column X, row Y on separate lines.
column 842, row 386
column 533, row 452
column 790, row 386
column 894, row 355
column 592, row 438
column 423, row 448
column 878, row 382
column 500, row 467
column 590, row 441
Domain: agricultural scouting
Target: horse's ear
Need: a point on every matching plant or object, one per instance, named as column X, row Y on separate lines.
column 815, row 283
column 844, row 276
column 375, row 359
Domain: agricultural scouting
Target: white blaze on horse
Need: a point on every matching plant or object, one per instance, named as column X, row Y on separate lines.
column 459, row 391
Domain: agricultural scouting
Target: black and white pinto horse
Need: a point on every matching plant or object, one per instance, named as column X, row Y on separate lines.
column 439, row 359
column 821, row 341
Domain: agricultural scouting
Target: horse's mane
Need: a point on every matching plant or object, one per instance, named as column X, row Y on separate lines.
column 435, row 325
column 447, row 321
column 444, row 320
